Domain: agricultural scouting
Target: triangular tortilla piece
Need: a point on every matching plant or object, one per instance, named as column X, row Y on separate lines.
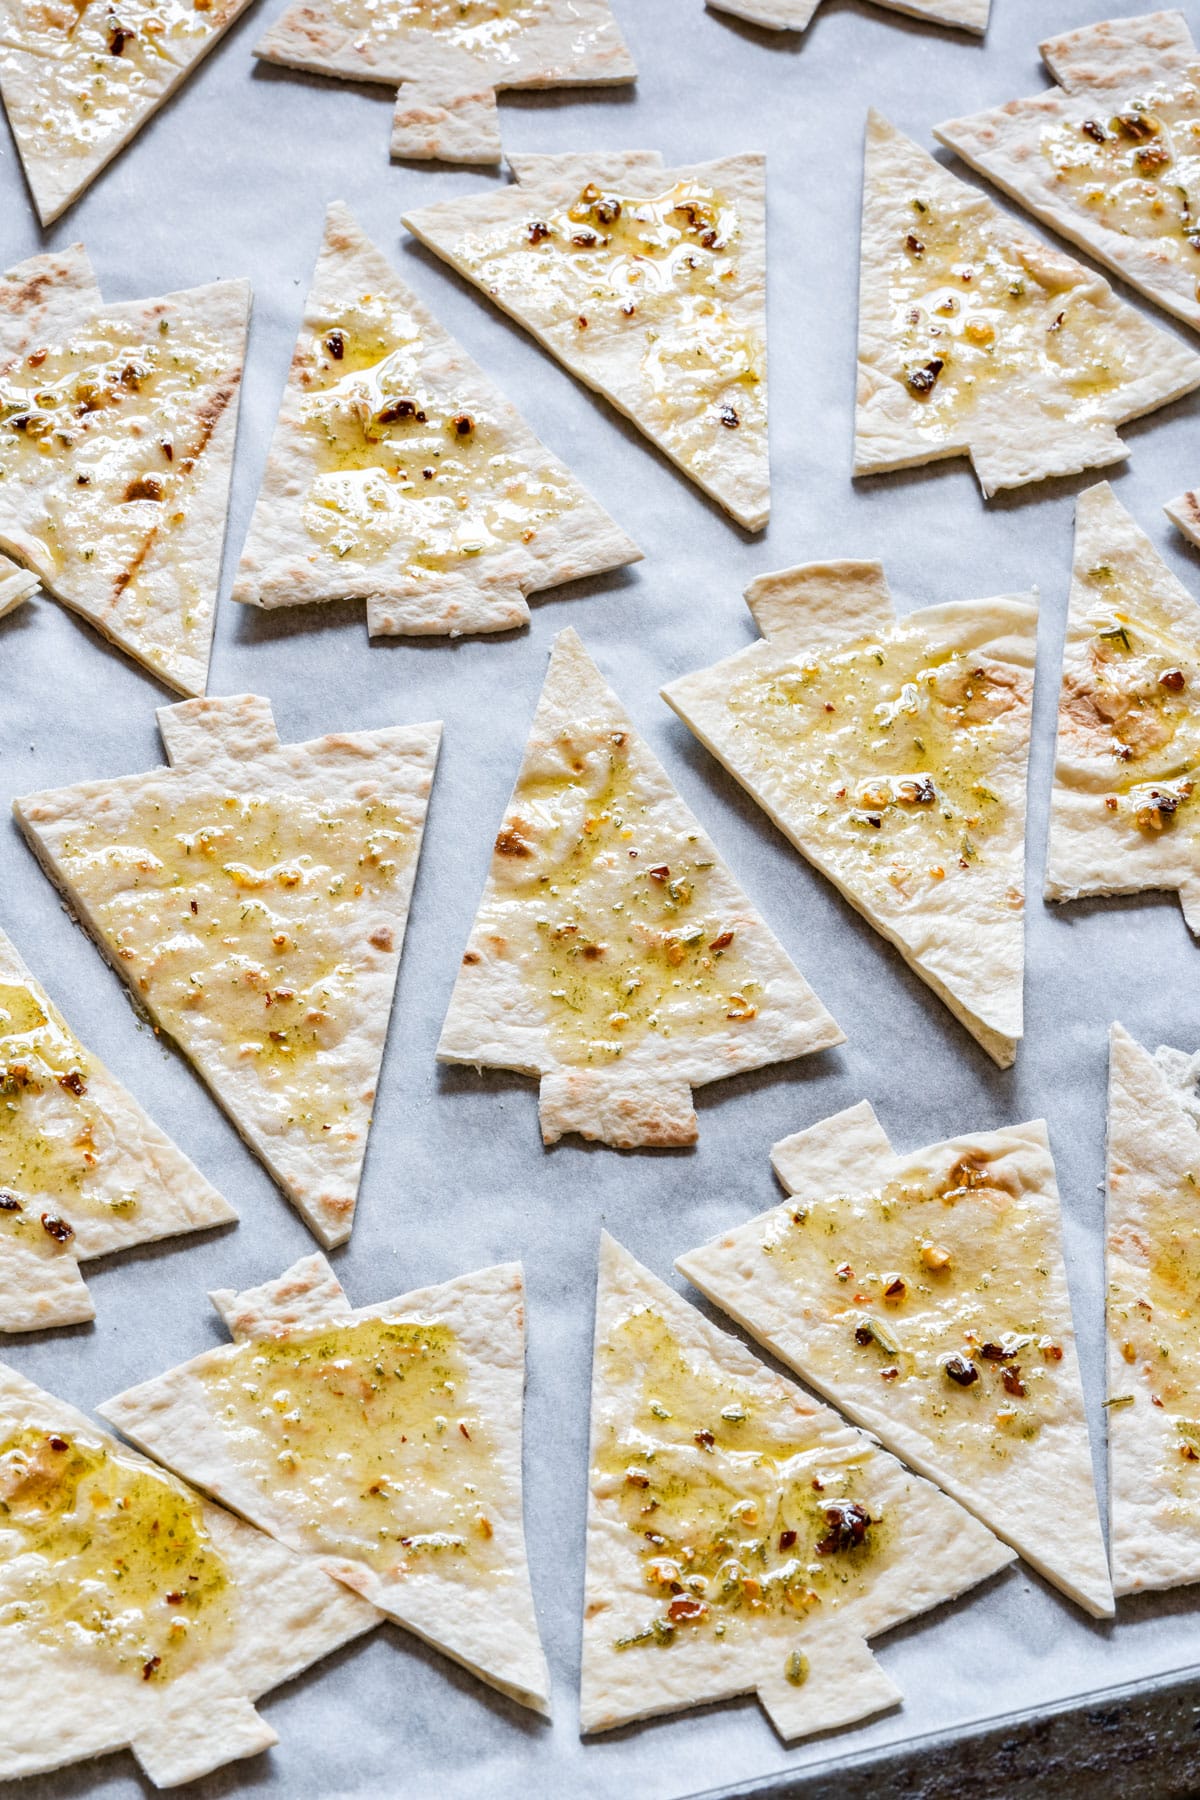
column 794, row 15
column 1153, row 1266
column 892, row 753
column 926, row 1297
column 117, row 1633
column 1185, row 513
column 613, row 954
column 116, row 452
column 16, row 585
column 1107, row 157
column 978, row 339
column 408, row 1488
column 83, row 1171
column 741, row 1537
column 452, row 60
column 80, row 78
column 647, row 283
column 254, row 896
column 1125, row 807
column 399, row 475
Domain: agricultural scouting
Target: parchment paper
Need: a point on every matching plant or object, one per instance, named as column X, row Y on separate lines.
column 232, row 179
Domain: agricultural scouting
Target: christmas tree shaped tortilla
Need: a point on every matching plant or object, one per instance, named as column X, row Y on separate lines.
column 83, row 1171
column 16, row 585
column 892, row 753
column 1185, row 512
column 396, row 1462
column 135, row 1614
column 794, row 15
column 1108, row 157
column 1125, row 809
column 977, row 339
column 400, row 475
column 1153, row 1245
column 79, row 79
column 926, row 1297
column 613, row 954
column 117, row 428
column 254, row 896
column 647, row 283
column 1153, row 1228
column 452, row 57
column 742, row 1538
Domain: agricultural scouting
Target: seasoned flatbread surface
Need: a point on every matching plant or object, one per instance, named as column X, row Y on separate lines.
column 926, row 1296
column 649, row 284
column 117, row 430
column 135, row 1614
column 1108, row 157
column 893, row 754
column 83, row 1171
column 79, row 78
column 613, row 954
column 742, row 1538
column 976, row 338
column 1125, row 808
column 1153, row 1264
column 399, row 475
column 452, row 56
column 254, row 895
column 390, row 1452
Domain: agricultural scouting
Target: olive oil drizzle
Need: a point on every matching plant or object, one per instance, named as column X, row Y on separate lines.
column 741, row 1528
column 107, row 1557
column 936, row 1291
column 229, row 914
column 624, row 939
column 367, row 1435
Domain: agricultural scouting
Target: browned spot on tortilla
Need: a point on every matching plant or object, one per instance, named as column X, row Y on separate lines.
column 511, row 843
column 208, row 416
column 144, row 487
column 471, row 956
column 382, row 937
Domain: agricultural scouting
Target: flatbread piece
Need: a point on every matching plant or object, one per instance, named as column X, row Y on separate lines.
column 978, row 339
column 134, row 1613
column 1108, row 158
column 83, row 1171
column 893, row 754
column 647, row 283
column 383, row 1444
column 1125, row 807
column 79, row 78
column 741, row 1537
column 1152, row 1229
column 794, row 15
column 16, row 585
column 399, row 475
column 117, row 430
column 254, row 896
column 613, row 954
column 452, row 57
column 926, row 1297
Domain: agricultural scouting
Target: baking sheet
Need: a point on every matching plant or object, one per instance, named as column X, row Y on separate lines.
column 232, row 179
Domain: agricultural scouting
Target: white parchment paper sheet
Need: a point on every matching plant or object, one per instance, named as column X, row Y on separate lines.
column 232, row 179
